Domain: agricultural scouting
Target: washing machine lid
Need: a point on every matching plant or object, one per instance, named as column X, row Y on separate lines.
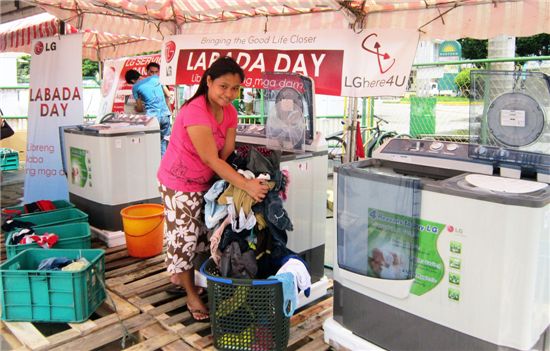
column 503, row 184
column 519, row 194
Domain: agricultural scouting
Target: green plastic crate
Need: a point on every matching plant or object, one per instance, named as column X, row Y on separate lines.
column 30, row 295
column 9, row 159
column 246, row 314
column 59, row 204
column 45, row 219
column 71, row 236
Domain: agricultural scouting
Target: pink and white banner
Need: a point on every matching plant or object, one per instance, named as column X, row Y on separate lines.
column 374, row 62
column 55, row 100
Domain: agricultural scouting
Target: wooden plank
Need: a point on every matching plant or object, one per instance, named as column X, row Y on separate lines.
column 27, row 334
column 204, row 342
column 136, row 274
column 192, row 329
column 152, row 330
column 137, row 266
column 300, row 331
column 117, row 255
column 192, row 340
column 7, row 338
column 316, row 344
column 178, row 345
column 155, row 342
column 107, row 335
column 141, row 302
column 140, row 286
column 317, row 308
column 31, row 337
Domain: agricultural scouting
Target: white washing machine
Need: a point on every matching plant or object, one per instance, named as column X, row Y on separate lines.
column 289, row 128
column 111, row 166
column 434, row 252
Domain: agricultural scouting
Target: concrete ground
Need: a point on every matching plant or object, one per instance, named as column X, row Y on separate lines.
column 12, row 187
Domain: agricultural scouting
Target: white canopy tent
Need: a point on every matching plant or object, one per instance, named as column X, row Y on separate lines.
column 441, row 19
column 17, row 36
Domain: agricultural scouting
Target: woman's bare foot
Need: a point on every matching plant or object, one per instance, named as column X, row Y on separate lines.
column 178, row 286
column 197, row 309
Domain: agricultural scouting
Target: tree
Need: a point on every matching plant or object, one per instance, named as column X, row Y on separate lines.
column 473, row 49
column 89, row 68
column 462, row 80
column 23, row 68
column 537, row 45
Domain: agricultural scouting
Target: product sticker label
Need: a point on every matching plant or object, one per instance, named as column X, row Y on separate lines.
column 512, row 118
column 391, row 245
column 79, row 167
column 429, row 265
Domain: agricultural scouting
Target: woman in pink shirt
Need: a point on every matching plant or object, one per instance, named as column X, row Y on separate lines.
column 203, row 136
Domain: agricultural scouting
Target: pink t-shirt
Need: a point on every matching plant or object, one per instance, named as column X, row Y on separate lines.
column 181, row 168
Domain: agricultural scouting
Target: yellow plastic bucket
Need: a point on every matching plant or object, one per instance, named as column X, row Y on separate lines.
column 144, row 229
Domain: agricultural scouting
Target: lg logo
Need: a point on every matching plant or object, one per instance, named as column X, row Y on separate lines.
column 39, row 47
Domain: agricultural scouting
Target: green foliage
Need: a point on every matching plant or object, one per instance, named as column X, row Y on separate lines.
column 23, row 69
column 473, row 49
column 89, row 68
column 462, row 80
column 537, row 45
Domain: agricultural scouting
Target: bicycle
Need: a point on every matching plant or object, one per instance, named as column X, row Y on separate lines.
column 337, row 144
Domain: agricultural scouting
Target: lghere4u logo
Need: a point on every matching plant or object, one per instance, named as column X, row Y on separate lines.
column 376, row 49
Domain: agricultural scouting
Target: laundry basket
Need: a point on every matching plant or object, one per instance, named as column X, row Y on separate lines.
column 246, row 314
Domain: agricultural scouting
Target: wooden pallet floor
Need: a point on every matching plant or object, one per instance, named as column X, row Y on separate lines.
column 151, row 318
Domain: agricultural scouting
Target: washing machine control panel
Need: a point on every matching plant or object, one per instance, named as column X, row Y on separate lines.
column 433, row 153
column 429, row 148
column 509, row 157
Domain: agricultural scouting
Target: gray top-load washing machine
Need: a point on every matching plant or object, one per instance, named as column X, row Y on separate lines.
column 112, row 165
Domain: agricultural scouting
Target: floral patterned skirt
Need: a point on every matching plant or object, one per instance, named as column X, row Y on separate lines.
column 184, row 230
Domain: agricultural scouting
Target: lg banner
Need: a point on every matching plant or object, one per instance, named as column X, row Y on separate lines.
column 55, row 100
column 341, row 62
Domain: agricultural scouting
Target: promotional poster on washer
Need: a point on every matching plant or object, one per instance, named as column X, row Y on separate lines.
column 116, row 94
column 374, row 62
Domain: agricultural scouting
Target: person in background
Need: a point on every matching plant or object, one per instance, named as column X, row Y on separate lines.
column 203, row 137
column 153, row 68
column 248, row 99
column 149, row 96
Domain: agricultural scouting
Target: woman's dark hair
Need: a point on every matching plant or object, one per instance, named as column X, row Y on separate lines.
column 220, row 67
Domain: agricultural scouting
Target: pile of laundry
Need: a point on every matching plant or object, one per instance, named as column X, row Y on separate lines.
column 32, row 207
column 63, row 263
column 248, row 239
column 23, row 236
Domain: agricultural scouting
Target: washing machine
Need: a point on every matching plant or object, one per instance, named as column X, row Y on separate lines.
column 437, row 252
column 290, row 129
column 444, row 245
column 112, row 165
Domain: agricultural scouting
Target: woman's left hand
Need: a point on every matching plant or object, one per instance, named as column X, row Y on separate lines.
column 256, row 188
